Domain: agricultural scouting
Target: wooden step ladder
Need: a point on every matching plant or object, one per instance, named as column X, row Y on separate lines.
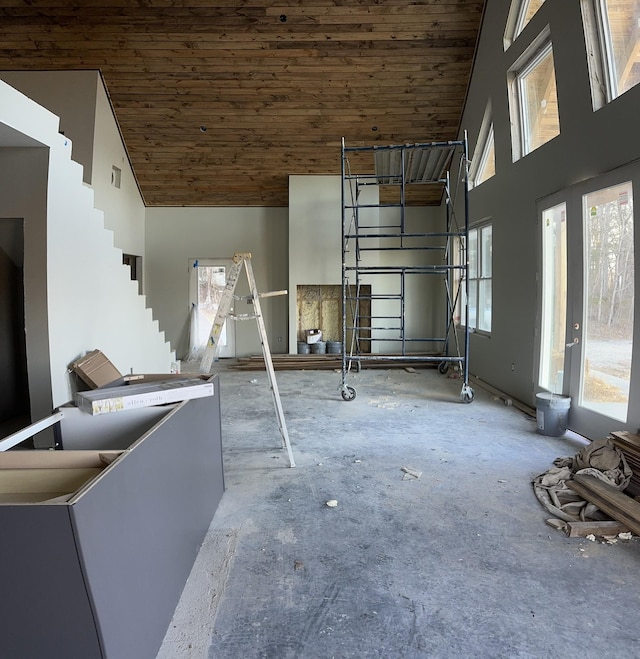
column 240, row 260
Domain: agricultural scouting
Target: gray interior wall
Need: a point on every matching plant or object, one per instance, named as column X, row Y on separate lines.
column 176, row 235
column 590, row 143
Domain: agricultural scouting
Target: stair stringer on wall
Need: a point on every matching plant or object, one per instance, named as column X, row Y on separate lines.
column 91, row 301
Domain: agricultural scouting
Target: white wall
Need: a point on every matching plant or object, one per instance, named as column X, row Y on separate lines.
column 425, row 312
column 590, row 143
column 315, row 230
column 315, row 256
column 123, row 208
column 80, row 100
column 71, row 96
column 176, row 235
column 78, row 295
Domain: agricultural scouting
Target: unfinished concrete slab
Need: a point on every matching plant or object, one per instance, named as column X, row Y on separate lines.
column 436, row 546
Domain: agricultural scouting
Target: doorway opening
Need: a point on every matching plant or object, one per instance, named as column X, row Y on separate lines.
column 14, row 383
column 207, row 283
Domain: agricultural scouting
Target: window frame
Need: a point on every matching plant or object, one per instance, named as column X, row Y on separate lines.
column 600, row 53
column 539, row 48
column 516, row 20
column 484, row 145
column 482, row 274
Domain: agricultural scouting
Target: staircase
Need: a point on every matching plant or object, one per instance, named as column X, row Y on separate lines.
column 91, row 301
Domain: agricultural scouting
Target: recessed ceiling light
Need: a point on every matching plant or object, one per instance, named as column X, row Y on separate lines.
column 203, row 129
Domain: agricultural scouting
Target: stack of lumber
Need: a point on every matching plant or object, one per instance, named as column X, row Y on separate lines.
column 629, row 444
column 290, row 362
column 616, row 504
column 320, row 362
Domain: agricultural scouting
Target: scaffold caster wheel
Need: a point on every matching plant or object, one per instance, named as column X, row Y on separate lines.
column 467, row 394
column 348, row 393
column 443, row 367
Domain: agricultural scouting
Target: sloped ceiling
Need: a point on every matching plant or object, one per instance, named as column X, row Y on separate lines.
column 219, row 101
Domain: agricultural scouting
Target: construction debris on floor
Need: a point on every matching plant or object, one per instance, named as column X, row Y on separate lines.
column 590, row 494
column 629, row 444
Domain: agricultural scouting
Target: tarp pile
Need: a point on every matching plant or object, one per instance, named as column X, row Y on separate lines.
column 600, row 459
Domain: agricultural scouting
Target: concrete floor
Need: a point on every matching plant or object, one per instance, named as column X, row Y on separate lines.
column 456, row 563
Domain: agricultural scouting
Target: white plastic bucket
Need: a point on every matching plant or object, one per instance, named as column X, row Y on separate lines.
column 552, row 414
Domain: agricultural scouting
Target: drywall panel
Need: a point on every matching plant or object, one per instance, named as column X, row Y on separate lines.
column 315, row 255
column 315, row 235
column 315, row 229
column 70, row 95
column 174, row 236
column 590, row 143
column 123, row 207
column 315, row 213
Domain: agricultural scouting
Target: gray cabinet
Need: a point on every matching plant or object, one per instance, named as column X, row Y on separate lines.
column 96, row 572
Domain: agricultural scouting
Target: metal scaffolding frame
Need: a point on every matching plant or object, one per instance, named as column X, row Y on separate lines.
column 363, row 240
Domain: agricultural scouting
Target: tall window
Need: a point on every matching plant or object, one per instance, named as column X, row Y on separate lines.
column 612, row 30
column 521, row 12
column 534, row 102
column 480, row 257
column 554, row 298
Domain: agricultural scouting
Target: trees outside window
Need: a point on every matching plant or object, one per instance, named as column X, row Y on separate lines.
column 612, row 32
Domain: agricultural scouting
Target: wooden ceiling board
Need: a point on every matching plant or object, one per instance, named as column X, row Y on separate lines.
column 218, row 101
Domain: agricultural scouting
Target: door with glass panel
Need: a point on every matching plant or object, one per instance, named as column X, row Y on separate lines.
column 208, row 281
column 587, row 303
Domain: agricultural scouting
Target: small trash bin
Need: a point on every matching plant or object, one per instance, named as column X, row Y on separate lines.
column 552, row 414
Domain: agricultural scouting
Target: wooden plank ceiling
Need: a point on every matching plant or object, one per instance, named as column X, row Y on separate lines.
column 219, row 101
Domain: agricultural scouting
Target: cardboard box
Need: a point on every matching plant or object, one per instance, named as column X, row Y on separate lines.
column 132, row 396
column 95, row 370
column 51, row 476
column 313, row 335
